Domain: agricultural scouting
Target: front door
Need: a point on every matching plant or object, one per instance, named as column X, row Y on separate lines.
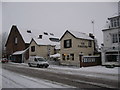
column 80, row 58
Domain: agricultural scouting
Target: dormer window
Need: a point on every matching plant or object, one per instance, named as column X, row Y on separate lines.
column 45, row 33
column 28, row 31
column 51, row 34
column 40, row 37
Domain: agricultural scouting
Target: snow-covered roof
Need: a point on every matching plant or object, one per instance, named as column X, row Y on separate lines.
column 81, row 35
column 20, row 52
column 55, row 55
column 27, row 37
column 45, row 41
column 114, row 15
column 107, row 25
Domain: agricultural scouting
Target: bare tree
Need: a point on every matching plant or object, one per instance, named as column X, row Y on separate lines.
column 0, row 46
column 4, row 38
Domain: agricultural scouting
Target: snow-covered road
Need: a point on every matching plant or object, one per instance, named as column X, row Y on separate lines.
column 31, row 77
column 93, row 71
column 14, row 80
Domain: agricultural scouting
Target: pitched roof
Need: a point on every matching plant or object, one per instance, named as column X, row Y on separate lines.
column 77, row 34
column 114, row 15
column 27, row 36
column 45, row 41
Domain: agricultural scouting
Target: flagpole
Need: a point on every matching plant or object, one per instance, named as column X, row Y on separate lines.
column 93, row 25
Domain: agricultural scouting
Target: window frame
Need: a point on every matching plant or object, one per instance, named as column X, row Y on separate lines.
column 72, row 56
column 89, row 43
column 68, row 43
column 114, row 38
column 63, row 57
column 32, row 48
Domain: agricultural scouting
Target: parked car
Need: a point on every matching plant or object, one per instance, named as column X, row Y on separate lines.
column 38, row 62
column 4, row 60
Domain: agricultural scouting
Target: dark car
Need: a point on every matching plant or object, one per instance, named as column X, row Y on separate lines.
column 4, row 60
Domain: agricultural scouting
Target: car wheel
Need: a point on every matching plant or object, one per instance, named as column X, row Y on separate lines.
column 41, row 66
column 29, row 64
column 46, row 66
column 38, row 65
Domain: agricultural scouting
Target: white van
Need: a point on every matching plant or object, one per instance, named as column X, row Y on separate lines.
column 37, row 61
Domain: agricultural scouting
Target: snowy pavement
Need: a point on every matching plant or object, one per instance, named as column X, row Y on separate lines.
column 14, row 80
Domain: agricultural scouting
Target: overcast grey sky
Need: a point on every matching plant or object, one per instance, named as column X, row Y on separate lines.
column 58, row 17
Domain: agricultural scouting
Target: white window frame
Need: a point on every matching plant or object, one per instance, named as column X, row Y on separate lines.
column 114, row 38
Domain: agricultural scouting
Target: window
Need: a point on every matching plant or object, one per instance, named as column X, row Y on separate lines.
column 67, row 57
column 67, row 43
column 89, row 43
column 40, row 37
column 16, row 40
column 115, row 22
column 118, row 23
column 54, row 39
column 115, row 38
column 111, row 58
column 51, row 34
column 32, row 48
column 35, row 60
column 45, row 33
column 72, row 56
column 112, row 25
column 82, row 44
column 119, row 36
column 29, row 31
column 63, row 56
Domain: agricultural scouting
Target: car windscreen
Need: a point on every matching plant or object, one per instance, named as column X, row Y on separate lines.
column 40, row 59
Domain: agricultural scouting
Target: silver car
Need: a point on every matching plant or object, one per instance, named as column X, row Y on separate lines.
column 38, row 62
